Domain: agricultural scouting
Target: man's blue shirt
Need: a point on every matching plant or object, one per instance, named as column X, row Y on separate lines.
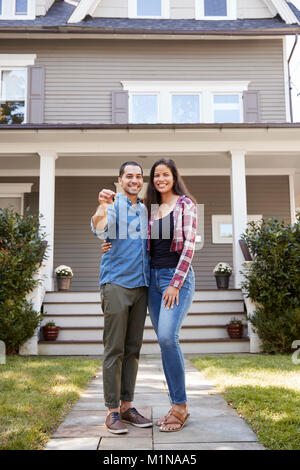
column 127, row 262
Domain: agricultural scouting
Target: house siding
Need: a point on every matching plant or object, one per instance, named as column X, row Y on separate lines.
column 76, row 201
column 81, row 75
column 180, row 9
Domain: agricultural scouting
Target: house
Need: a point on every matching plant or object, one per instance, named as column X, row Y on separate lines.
column 87, row 85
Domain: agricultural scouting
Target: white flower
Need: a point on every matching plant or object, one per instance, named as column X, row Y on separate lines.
column 63, row 270
column 222, row 268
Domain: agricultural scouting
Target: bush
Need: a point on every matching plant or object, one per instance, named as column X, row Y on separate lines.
column 274, row 282
column 21, row 253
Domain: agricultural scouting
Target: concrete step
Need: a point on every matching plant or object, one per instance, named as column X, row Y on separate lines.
column 94, row 296
column 186, row 332
column 97, row 320
column 198, row 306
column 206, row 346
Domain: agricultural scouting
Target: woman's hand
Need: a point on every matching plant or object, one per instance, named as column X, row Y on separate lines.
column 169, row 297
column 105, row 247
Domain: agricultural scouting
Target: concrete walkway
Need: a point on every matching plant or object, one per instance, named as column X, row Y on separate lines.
column 213, row 425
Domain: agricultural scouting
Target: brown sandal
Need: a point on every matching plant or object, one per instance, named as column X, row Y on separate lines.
column 179, row 416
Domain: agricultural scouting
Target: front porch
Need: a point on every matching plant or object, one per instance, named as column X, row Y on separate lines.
column 243, row 171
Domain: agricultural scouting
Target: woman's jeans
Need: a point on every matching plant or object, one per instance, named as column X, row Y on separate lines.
column 167, row 324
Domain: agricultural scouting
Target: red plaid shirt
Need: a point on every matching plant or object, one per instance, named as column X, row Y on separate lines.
column 185, row 225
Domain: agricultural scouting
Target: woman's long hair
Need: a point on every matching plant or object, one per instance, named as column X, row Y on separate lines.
column 153, row 196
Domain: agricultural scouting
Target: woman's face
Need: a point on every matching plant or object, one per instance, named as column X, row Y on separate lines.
column 163, row 179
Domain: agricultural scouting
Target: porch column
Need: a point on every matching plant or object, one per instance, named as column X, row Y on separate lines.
column 46, row 208
column 238, row 210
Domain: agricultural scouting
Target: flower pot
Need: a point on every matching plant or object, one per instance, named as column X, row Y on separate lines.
column 63, row 282
column 222, row 280
column 50, row 333
column 235, row 331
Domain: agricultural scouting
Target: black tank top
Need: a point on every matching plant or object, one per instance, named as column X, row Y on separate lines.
column 162, row 232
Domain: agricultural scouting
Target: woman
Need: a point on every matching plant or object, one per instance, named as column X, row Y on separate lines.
column 172, row 234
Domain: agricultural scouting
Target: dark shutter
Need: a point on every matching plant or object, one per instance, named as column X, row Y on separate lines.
column 120, row 107
column 35, row 94
column 251, row 106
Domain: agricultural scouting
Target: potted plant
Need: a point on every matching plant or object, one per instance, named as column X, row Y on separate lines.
column 64, row 276
column 235, row 328
column 50, row 331
column 222, row 272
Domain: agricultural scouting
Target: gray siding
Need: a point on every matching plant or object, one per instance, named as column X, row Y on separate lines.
column 80, row 75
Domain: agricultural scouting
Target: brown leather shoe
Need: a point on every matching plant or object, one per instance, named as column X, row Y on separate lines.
column 114, row 424
column 132, row 416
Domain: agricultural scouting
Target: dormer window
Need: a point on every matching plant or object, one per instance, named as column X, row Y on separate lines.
column 149, row 8
column 17, row 9
column 21, row 7
column 216, row 9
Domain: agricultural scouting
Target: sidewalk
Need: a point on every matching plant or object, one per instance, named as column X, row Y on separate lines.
column 213, row 425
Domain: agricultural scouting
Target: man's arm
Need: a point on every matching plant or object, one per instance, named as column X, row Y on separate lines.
column 105, row 198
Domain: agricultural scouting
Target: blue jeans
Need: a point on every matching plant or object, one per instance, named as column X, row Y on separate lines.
column 167, row 324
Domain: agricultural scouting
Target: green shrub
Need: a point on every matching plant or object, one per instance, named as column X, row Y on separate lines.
column 274, row 282
column 21, row 253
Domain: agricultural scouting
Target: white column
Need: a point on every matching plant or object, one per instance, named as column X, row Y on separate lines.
column 292, row 199
column 46, row 208
column 238, row 210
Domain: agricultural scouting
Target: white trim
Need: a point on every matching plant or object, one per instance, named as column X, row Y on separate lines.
column 204, row 89
column 9, row 10
column 165, row 10
column 17, row 60
column 83, row 8
column 283, row 9
column 217, row 220
column 292, row 199
column 231, row 11
column 286, row 79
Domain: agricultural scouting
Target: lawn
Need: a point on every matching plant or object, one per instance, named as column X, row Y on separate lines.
column 264, row 389
column 35, row 396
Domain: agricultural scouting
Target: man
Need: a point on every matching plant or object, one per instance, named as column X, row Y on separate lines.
column 122, row 220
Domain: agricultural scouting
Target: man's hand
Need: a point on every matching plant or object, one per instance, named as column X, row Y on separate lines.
column 169, row 297
column 105, row 247
column 105, row 198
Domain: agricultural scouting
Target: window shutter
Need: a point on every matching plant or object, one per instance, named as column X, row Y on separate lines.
column 120, row 113
column 35, row 94
column 251, row 106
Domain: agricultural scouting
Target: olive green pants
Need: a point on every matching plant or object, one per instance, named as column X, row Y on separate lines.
column 124, row 320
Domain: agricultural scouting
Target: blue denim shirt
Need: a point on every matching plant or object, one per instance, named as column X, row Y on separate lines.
column 127, row 262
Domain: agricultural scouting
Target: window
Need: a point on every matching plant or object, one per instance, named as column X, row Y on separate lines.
column 227, row 108
column 21, row 7
column 12, row 95
column 185, row 102
column 216, row 9
column 149, row 8
column 144, row 108
column 17, row 9
column 12, row 195
column 13, row 87
column 222, row 227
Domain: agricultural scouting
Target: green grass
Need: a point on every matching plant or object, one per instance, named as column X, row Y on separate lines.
column 265, row 390
column 35, row 396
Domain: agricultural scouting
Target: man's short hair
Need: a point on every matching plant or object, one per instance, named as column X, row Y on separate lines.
column 122, row 167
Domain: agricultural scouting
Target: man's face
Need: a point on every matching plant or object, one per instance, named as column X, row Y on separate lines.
column 132, row 180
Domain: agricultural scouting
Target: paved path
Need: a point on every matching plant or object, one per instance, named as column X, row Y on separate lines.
column 214, row 425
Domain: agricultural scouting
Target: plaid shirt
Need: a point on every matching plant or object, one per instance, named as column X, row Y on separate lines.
column 185, row 224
